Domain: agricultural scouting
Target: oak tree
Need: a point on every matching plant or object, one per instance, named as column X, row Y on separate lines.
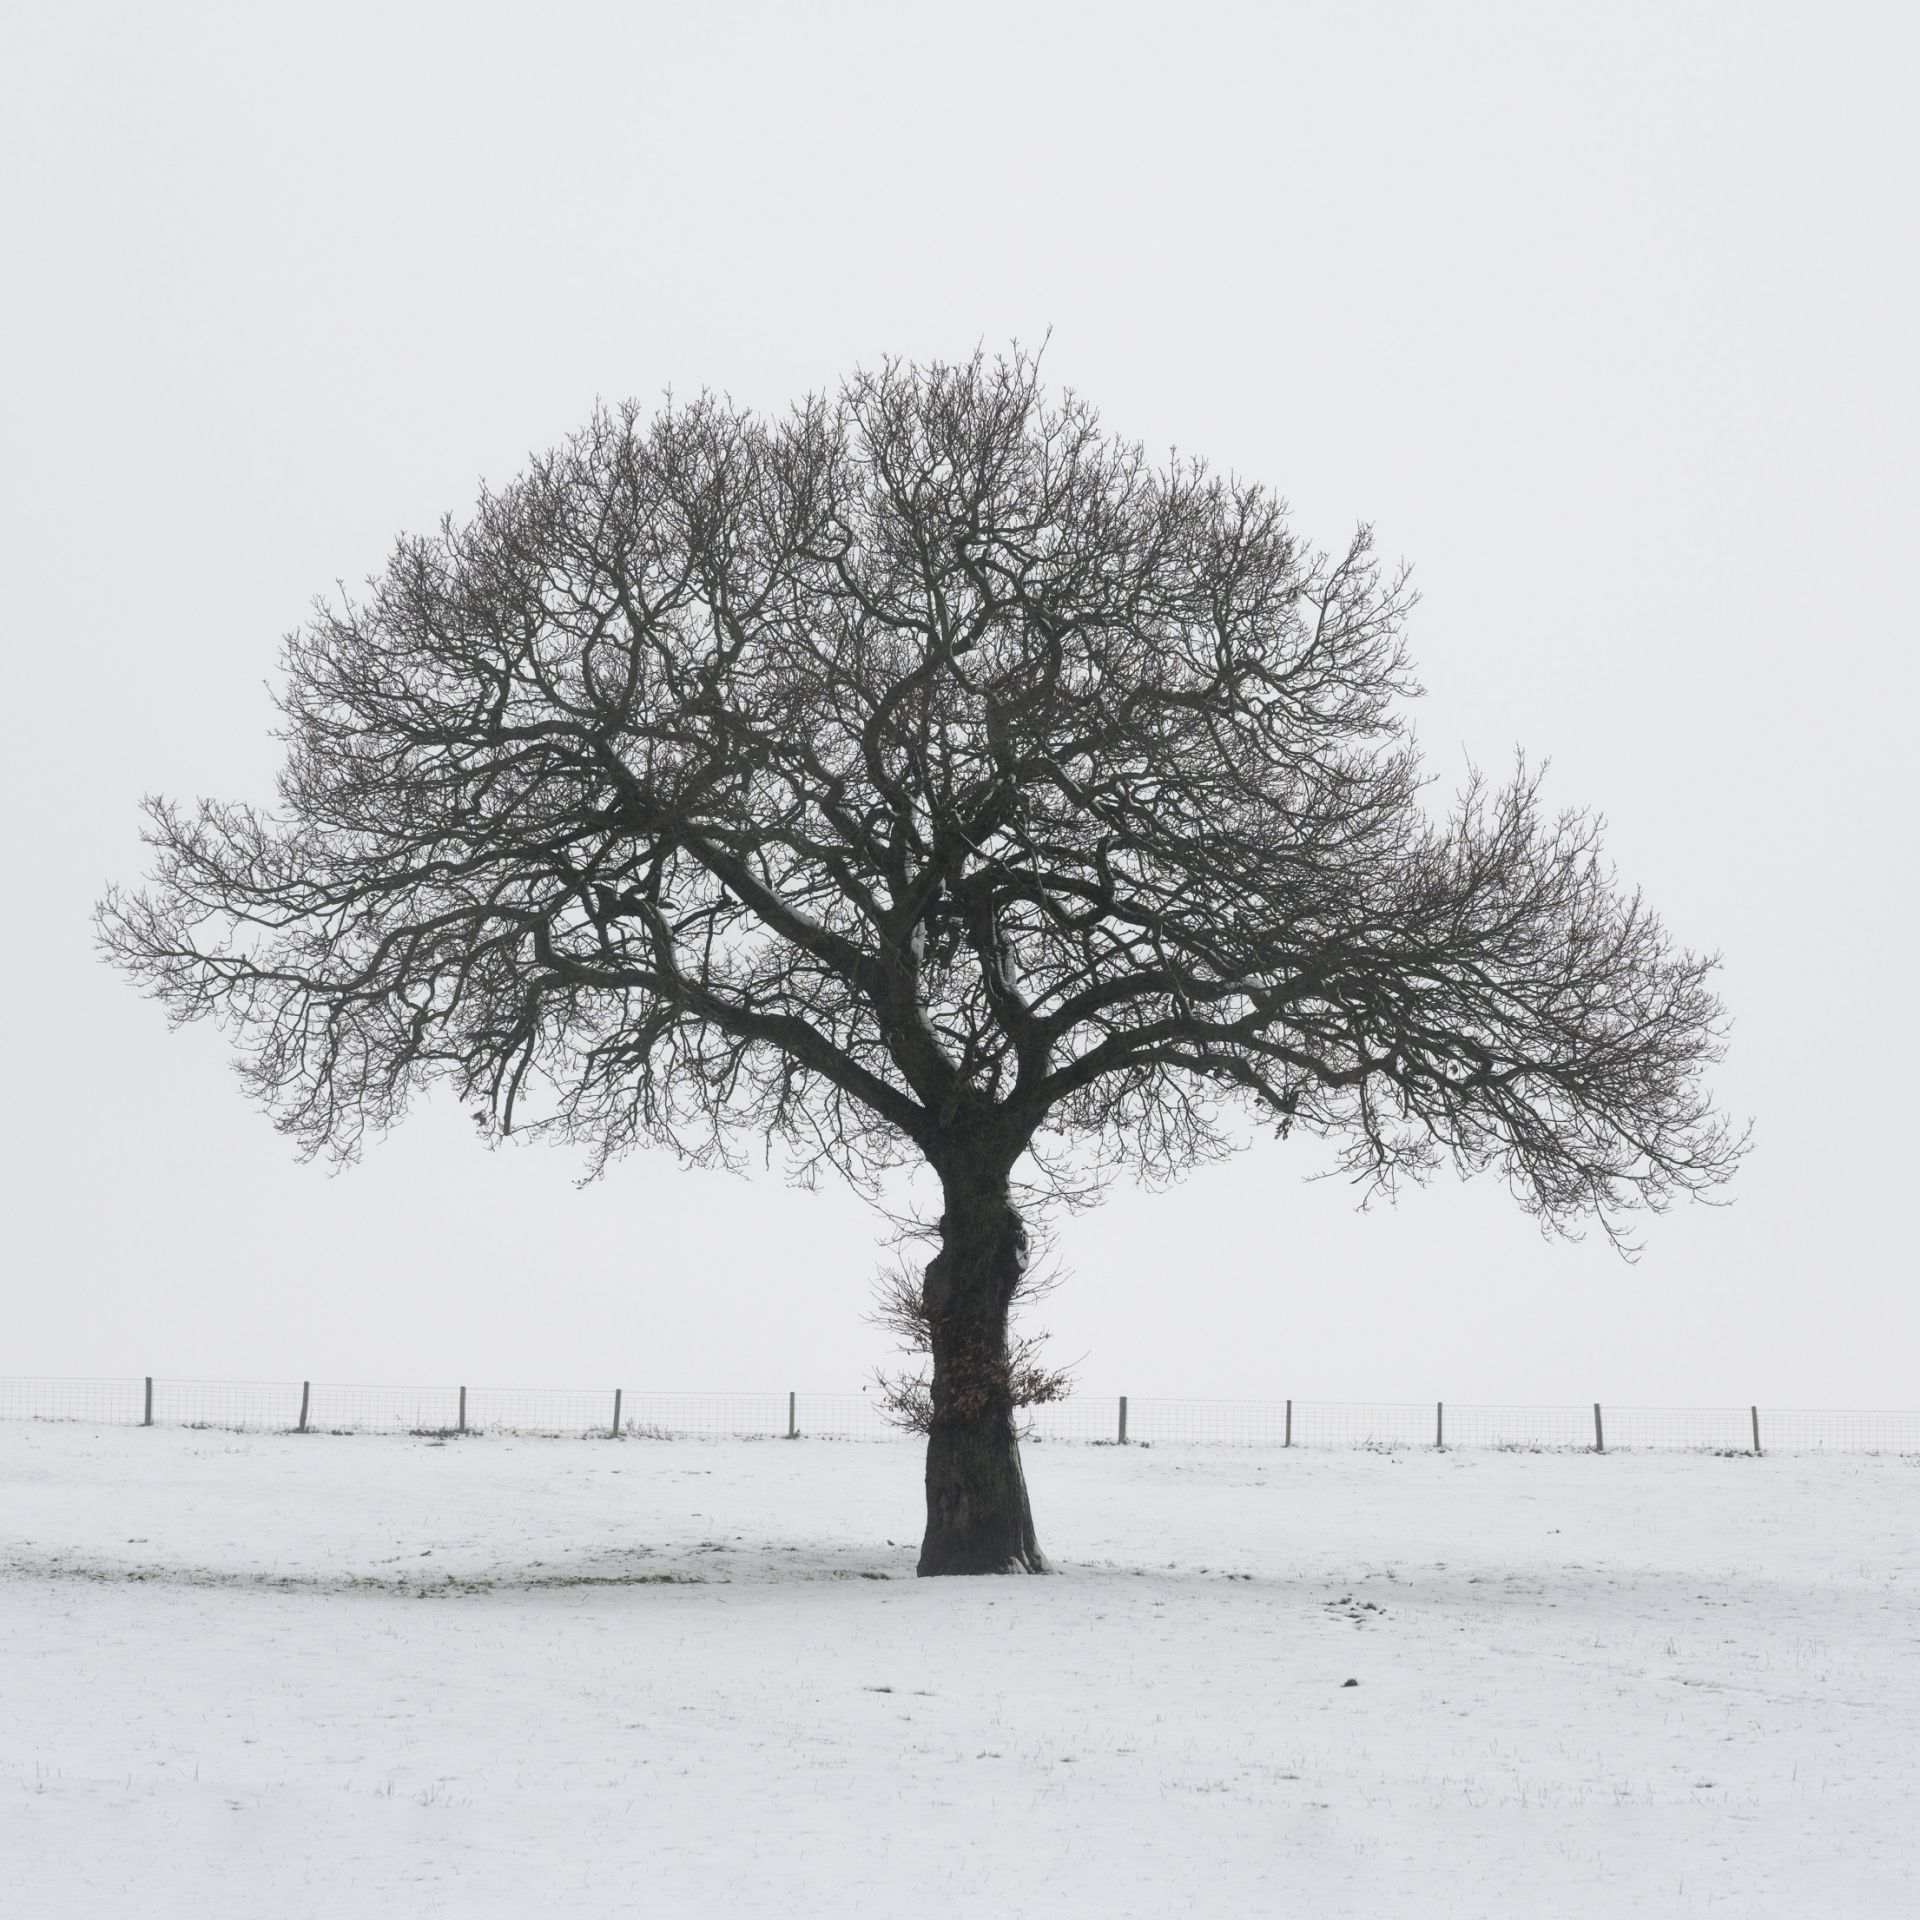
column 925, row 776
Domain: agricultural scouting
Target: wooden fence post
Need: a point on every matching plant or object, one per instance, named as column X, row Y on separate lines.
column 147, row 1418
column 616, row 1413
column 306, row 1394
column 1755, row 1411
column 463, row 1409
column 1439, row 1423
column 1288, row 1441
column 1599, row 1432
column 793, row 1416
column 1123, row 1419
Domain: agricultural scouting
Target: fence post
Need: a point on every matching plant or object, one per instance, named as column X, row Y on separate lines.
column 147, row 1418
column 463, row 1409
column 306, row 1394
column 616, row 1413
column 1439, row 1423
column 1288, row 1441
column 1755, row 1411
column 1123, row 1419
column 1599, row 1432
column 793, row 1416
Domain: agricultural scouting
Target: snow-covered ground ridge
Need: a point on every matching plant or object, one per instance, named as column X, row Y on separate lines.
column 321, row 1679
column 326, row 1407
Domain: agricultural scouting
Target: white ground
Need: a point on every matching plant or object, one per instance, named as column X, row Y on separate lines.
column 330, row 1676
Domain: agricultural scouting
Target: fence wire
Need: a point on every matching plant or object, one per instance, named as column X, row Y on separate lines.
column 107, row 1403
column 329, row 1407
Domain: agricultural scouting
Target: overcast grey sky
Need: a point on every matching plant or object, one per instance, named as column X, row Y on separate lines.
column 1604, row 315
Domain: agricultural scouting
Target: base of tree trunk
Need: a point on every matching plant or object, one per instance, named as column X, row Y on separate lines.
column 978, row 1520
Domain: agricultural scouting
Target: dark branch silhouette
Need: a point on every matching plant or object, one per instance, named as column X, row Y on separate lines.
column 925, row 776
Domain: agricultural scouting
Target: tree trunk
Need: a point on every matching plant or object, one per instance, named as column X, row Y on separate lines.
column 978, row 1520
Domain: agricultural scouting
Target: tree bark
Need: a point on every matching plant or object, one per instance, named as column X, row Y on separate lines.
column 978, row 1520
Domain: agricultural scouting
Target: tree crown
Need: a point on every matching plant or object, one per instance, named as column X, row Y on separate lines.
column 925, row 774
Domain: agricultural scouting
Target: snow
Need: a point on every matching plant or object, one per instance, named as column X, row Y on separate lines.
column 307, row 1676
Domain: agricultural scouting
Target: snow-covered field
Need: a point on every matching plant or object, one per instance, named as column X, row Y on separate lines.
column 272, row 1675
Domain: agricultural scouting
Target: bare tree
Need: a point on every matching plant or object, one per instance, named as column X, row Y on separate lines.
column 922, row 777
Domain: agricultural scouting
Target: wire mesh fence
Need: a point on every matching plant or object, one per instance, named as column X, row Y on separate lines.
column 1474, row 1426
column 315, row 1406
column 1846, row 1431
column 237, row 1404
column 336, row 1408
column 1712, row 1429
column 104, row 1402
